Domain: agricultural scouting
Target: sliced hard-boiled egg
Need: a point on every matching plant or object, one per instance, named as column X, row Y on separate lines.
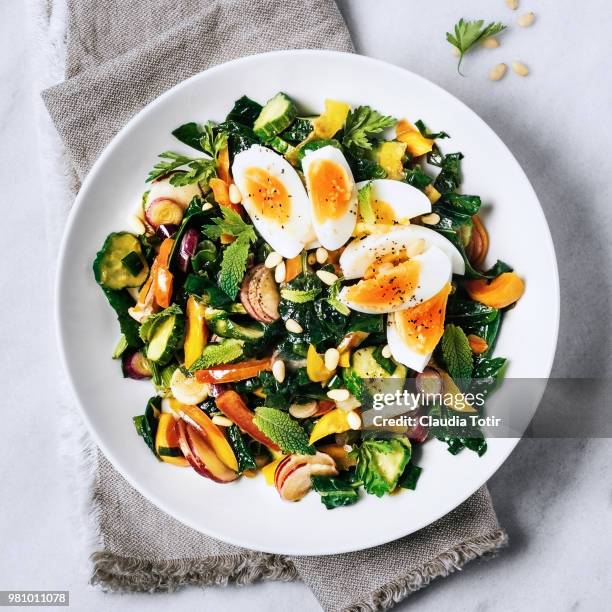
column 397, row 283
column 333, row 195
column 274, row 198
column 395, row 201
column 413, row 334
column 162, row 190
column 360, row 254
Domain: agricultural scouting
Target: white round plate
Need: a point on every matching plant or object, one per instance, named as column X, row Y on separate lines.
column 248, row 513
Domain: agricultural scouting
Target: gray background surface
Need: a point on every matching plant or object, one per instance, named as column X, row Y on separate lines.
column 554, row 497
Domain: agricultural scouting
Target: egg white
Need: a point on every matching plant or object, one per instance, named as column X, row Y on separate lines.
column 288, row 239
column 435, row 272
column 401, row 352
column 405, row 200
column 360, row 254
column 332, row 234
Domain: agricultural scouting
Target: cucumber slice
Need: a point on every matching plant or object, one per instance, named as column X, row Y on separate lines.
column 365, row 365
column 165, row 339
column 109, row 269
column 227, row 328
column 280, row 146
column 277, row 115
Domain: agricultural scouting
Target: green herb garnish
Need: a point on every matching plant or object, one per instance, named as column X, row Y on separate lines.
column 467, row 33
column 456, row 353
column 283, row 430
column 361, row 125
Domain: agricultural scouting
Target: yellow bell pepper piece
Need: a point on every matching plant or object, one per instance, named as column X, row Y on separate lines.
column 196, row 335
column 335, row 421
column 432, row 193
column 331, row 119
column 269, row 470
column 390, row 155
column 345, row 359
column 315, row 366
column 416, row 143
column 340, row 455
column 167, row 438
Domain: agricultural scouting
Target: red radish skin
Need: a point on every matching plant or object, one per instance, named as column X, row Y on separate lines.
column 166, row 230
column 188, row 247
column 293, row 475
column 135, row 366
column 259, row 294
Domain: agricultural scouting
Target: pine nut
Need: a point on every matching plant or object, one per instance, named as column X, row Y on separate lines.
column 526, row 19
column 348, row 448
column 386, row 352
column 497, row 72
column 415, row 248
column 273, row 259
column 520, row 68
column 303, row 411
column 350, row 404
column 221, row 421
column 354, row 420
column 311, row 259
column 293, row 326
column 332, row 356
column 206, row 206
column 278, row 370
column 512, row 4
column 329, row 278
column 338, row 395
column 234, row 194
column 136, row 225
column 280, row 272
column 431, row 219
column 321, row 255
column 490, row 42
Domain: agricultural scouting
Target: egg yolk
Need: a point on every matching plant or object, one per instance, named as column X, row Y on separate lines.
column 387, row 289
column 330, row 190
column 383, row 212
column 268, row 195
column 422, row 326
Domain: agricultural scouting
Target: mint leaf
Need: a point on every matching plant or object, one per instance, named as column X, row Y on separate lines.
column 283, row 430
column 214, row 354
column 456, row 353
column 300, row 296
column 334, row 302
column 233, row 265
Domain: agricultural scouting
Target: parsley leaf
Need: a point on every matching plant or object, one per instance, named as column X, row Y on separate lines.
column 361, row 124
column 201, row 169
column 283, row 430
column 233, row 264
column 467, row 33
column 214, row 354
column 210, row 142
column 456, row 353
column 365, row 203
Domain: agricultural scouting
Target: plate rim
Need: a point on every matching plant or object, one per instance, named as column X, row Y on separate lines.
column 79, row 203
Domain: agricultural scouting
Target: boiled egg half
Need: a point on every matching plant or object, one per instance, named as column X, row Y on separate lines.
column 274, row 198
column 332, row 194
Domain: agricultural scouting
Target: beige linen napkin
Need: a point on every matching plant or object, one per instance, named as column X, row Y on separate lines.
column 121, row 55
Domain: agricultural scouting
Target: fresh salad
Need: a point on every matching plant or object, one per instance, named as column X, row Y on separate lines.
column 278, row 272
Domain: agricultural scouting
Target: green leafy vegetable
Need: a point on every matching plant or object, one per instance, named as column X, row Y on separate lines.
column 283, row 430
column 335, row 492
column 120, row 347
column 365, row 203
column 298, row 131
column 240, row 136
column 235, row 255
column 361, row 125
column 244, row 111
column 241, row 450
column 121, row 301
column 363, row 168
column 465, row 204
column 408, row 480
column 487, row 374
column 467, row 33
column 146, row 424
column 449, row 177
column 456, row 352
column 334, row 302
column 427, row 134
column 417, row 178
column 212, row 140
column 225, row 351
column 380, row 463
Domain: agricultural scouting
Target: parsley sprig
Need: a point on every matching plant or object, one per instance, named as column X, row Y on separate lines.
column 200, row 169
column 233, row 264
column 467, row 33
column 361, row 125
